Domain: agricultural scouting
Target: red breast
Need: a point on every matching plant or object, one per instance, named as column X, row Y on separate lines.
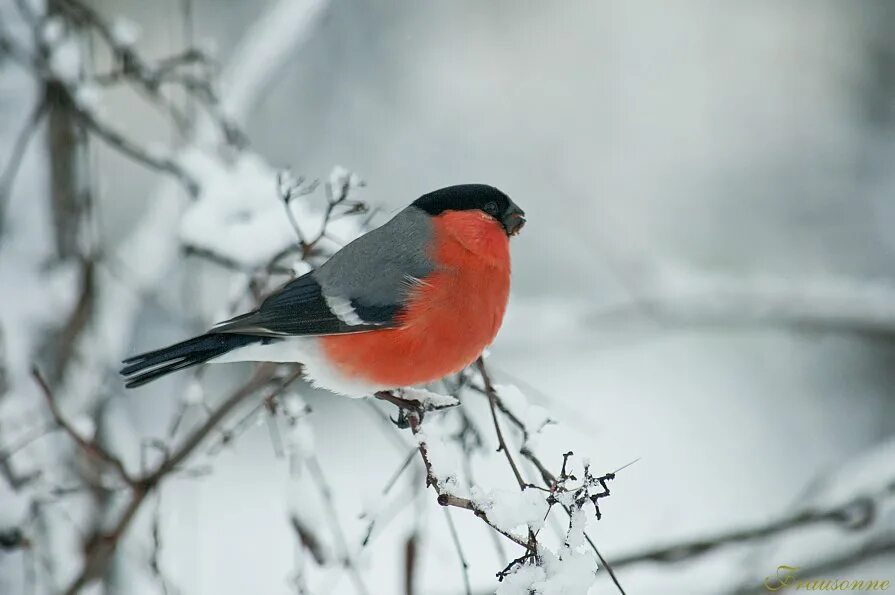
column 452, row 315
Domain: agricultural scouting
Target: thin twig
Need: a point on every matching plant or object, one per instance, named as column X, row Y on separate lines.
column 88, row 446
column 548, row 478
column 19, row 147
column 858, row 513
column 325, row 491
column 149, row 78
column 97, row 557
column 492, row 401
column 464, row 565
column 140, row 154
column 388, row 486
column 412, row 415
column 263, row 375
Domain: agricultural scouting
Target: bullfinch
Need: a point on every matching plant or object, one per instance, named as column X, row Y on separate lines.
column 405, row 304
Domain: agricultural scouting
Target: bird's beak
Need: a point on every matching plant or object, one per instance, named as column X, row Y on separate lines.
column 513, row 220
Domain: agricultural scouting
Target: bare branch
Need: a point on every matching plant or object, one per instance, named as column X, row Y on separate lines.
column 464, row 565
column 856, row 514
column 100, row 550
column 412, row 416
column 492, row 401
column 144, row 156
column 325, row 491
column 150, row 78
column 307, row 539
column 8, row 175
column 88, row 446
column 550, row 480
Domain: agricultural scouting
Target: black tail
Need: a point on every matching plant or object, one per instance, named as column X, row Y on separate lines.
column 148, row 366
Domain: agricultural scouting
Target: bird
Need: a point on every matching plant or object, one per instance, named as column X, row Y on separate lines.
column 404, row 305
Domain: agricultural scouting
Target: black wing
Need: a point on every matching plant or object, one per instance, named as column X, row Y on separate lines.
column 363, row 287
column 301, row 308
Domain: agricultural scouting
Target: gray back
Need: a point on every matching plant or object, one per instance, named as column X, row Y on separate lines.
column 378, row 268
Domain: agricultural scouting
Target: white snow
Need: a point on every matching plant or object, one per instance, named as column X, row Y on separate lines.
column 294, row 404
column 534, row 417
column 301, row 438
column 65, row 60
column 84, row 426
column 14, row 509
column 428, row 399
column 512, row 509
column 443, row 456
column 569, row 571
column 339, row 177
column 88, row 97
column 53, row 30
column 125, row 32
column 522, row 581
column 194, row 393
column 301, row 267
column 239, row 213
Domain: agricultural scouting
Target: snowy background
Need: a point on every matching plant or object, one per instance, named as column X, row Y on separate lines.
column 705, row 284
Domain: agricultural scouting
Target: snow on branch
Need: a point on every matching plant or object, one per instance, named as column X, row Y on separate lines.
column 97, row 305
column 517, row 515
column 141, row 483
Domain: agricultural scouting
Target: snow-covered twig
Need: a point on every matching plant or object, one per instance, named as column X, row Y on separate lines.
column 492, row 403
column 411, row 416
column 565, row 490
column 548, row 478
column 337, row 203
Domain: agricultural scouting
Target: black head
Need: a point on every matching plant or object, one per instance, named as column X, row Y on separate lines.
column 466, row 197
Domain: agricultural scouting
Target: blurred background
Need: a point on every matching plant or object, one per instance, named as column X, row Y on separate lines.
column 705, row 284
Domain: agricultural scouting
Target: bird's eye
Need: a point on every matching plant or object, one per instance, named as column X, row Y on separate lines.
column 491, row 207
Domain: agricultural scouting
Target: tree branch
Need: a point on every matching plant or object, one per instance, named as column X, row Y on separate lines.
column 20, row 145
column 853, row 515
column 100, row 550
column 90, row 447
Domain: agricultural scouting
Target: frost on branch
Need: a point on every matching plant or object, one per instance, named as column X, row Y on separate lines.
column 64, row 445
column 570, row 568
column 532, row 418
column 448, row 441
column 237, row 214
column 428, row 400
column 300, row 437
column 514, row 511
